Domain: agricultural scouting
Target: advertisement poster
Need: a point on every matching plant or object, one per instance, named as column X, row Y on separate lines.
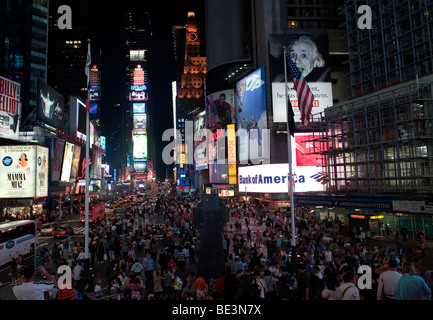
column 218, row 164
column 310, row 53
column 67, row 162
column 42, row 167
column 306, row 167
column 50, row 105
column 140, row 146
column 200, row 154
column 75, row 162
column 220, row 108
column 58, row 160
column 252, row 117
column 23, row 172
column 9, row 109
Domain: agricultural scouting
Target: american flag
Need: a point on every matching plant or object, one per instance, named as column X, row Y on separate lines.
column 305, row 97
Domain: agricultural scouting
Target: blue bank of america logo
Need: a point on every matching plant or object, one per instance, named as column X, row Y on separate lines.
column 321, row 177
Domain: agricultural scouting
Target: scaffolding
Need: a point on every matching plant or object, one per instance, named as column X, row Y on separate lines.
column 396, row 49
column 381, row 142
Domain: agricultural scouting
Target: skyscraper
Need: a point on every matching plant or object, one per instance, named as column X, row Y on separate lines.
column 191, row 71
column 138, row 105
column 24, row 33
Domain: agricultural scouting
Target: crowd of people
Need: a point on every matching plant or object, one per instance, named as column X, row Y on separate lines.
column 152, row 253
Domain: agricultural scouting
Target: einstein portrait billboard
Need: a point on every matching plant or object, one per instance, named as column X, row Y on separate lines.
column 310, row 54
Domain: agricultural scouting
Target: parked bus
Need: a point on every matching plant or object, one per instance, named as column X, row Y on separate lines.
column 96, row 212
column 17, row 237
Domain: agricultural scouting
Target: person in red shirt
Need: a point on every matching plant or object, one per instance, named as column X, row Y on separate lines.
column 201, row 286
column 219, row 287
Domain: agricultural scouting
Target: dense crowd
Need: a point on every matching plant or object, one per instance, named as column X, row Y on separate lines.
column 152, row 253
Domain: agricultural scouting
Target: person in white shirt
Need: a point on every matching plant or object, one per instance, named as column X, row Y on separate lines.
column 387, row 281
column 348, row 289
column 28, row 289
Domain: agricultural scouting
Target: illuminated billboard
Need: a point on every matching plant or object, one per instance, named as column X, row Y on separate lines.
column 137, row 55
column 138, row 108
column 75, row 163
column 218, row 166
column 23, row 171
column 252, row 117
column 140, row 146
column 138, row 96
column 139, row 121
column 9, row 109
column 220, row 108
column 80, row 125
column 50, row 105
column 200, row 154
column 274, row 178
column 68, row 156
column 310, row 53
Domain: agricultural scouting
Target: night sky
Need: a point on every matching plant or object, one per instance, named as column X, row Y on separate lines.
column 163, row 16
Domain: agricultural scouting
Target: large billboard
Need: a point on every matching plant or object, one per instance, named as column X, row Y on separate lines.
column 140, row 146
column 80, row 125
column 23, row 171
column 217, row 152
column 252, row 117
column 220, row 108
column 9, row 109
column 200, row 154
column 274, row 178
column 50, row 105
column 75, row 163
column 310, row 53
column 68, row 157
column 57, row 160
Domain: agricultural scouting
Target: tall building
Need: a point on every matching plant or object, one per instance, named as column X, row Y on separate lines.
column 190, row 83
column 246, row 60
column 137, row 127
column 379, row 151
column 23, row 57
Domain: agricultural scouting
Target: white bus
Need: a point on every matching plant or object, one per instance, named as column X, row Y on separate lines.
column 17, row 237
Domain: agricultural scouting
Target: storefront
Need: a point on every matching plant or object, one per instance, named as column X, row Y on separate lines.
column 381, row 216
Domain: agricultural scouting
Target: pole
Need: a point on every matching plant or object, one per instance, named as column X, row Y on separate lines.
column 289, row 157
column 86, row 232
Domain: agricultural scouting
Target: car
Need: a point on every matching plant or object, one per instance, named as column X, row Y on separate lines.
column 47, row 229
column 62, row 231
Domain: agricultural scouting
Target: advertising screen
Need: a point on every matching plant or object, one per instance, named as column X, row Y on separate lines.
column 218, row 165
column 139, row 121
column 220, row 108
column 68, row 156
column 200, row 155
column 81, row 120
column 306, row 167
column 140, row 146
column 96, row 170
column 9, row 109
column 50, row 105
column 140, row 165
column 138, row 107
column 23, row 171
column 310, row 53
column 75, row 162
column 138, row 96
column 42, row 168
column 58, row 160
column 252, row 118
column 137, row 55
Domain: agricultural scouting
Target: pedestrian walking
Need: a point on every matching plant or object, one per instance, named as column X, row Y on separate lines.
column 411, row 286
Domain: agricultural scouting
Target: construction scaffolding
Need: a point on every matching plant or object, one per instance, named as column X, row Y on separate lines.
column 381, row 142
column 396, row 49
